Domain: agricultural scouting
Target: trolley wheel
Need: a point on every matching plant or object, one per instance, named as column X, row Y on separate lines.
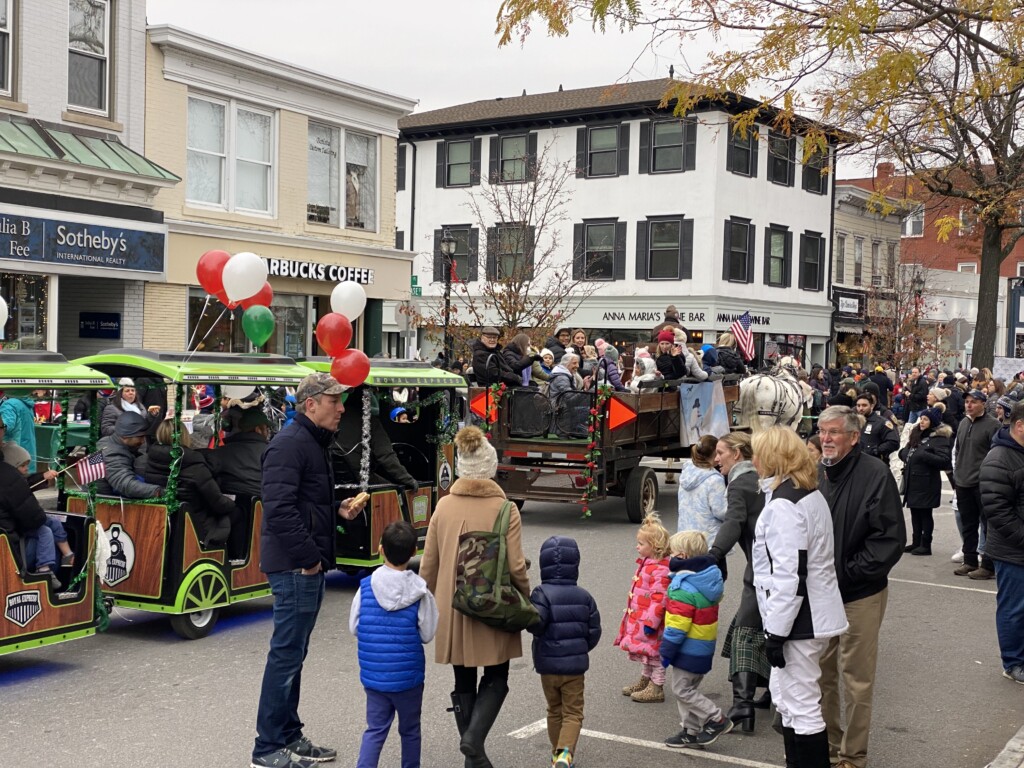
column 201, row 606
column 195, row 625
column 641, row 493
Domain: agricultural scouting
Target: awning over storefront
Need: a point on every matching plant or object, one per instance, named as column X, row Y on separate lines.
column 846, row 328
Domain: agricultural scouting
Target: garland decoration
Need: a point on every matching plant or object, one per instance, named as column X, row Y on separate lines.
column 497, row 392
column 594, row 419
column 445, row 426
column 364, row 455
column 62, row 436
column 170, row 496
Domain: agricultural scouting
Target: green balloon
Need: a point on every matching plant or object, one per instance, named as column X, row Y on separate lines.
column 258, row 325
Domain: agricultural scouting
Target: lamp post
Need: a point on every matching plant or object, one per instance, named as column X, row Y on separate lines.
column 917, row 283
column 447, row 253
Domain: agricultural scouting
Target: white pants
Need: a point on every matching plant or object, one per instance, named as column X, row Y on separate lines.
column 795, row 690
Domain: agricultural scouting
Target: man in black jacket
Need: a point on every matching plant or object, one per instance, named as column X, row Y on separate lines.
column 489, row 365
column 297, row 546
column 237, row 464
column 870, row 534
column 879, row 437
column 973, row 440
column 1002, row 492
column 917, row 400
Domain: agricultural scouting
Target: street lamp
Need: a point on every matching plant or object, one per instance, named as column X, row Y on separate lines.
column 917, row 283
column 447, row 254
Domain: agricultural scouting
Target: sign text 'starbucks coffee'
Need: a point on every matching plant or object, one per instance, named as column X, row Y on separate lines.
column 314, row 270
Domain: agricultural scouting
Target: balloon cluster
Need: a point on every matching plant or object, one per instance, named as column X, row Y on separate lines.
column 334, row 333
column 240, row 280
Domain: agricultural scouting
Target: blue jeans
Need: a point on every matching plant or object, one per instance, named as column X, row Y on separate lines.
column 40, row 551
column 912, row 418
column 380, row 712
column 1010, row 613
column 297, row 601
column 57, row 528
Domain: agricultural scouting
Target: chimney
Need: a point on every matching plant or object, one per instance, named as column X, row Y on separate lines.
column 884, row 171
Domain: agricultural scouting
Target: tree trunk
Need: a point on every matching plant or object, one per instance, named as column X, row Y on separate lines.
column 988, row 297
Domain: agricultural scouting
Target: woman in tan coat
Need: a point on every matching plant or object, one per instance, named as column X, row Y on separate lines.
column 473, row 505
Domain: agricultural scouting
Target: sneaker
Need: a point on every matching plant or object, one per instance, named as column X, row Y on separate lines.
column 563, row 759
column 1014, row 673
column 683, row 740
column 964, row 569
column 981, row 574
column 307, row 750
column 958, row 557
column 712, row 730
column 282, row 758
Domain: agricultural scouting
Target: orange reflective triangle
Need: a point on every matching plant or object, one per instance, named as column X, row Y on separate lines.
column 619, row 414
column 478, row 405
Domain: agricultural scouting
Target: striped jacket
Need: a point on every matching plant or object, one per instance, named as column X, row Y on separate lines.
column 691, row 619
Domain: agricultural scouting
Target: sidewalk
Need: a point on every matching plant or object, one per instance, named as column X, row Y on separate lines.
column 1012, row 755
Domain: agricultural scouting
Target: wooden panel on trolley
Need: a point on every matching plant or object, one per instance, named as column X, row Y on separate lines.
column 136, row 566
column 249, row 575
column 30, row 603
column 385, row 508
column 420, row 507
column 193, row 552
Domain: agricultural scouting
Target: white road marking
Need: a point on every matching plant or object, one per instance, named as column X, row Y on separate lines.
column 944, row 586
column 541, row 725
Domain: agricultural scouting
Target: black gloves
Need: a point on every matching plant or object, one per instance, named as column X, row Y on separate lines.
column 536, row 358
column 773, row 650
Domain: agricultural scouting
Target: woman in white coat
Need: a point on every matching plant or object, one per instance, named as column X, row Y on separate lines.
column 797, row 591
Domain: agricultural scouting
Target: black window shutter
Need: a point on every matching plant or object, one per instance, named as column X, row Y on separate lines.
column 531, row 159
column 644, row 164
column 474, row 162
column 690, row 144
column 440, row 165
column 731, row 161
column 801, row 269
column 771, row 163
column 787, row 264
column 624, row 149
column 725, row 249
column 791, row 165
column 768, row 249
column 686, row 250
column 399, row 240
column 400, row 169
column 474, row 254
column 641, row 250
column 578, row 256
column 581, row 152
column 492, row 172
column 492, row 256
column 751, row 235
column 619, row 258
column 531, row 247
column 821, row 263
column 438, row 260
column 755, row 140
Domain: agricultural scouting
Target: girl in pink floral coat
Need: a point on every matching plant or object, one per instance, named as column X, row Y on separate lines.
column 641, row 628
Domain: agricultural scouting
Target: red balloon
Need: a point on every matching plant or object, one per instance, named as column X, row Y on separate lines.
column 222, row 297
column 351, row 367
column 260, row 299
column 209, row 271
column 333, row 333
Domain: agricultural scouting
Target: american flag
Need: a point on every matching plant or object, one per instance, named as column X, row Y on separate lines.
column 744, row 338
column 91, row 468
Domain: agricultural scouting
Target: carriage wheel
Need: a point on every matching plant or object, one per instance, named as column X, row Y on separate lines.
column 206, row 591
column 641, row 493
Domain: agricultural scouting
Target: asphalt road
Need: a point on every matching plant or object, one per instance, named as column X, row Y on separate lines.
column 139, row 696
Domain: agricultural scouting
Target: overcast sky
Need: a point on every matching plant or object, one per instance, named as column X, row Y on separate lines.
column 440, row 53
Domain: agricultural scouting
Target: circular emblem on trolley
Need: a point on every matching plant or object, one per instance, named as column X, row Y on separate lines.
column 122, row 555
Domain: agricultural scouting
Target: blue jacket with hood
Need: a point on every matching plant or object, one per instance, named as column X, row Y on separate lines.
column 691, row 619
column 570, row 624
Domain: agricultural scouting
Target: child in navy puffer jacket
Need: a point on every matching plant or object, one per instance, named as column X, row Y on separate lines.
column 569, row 628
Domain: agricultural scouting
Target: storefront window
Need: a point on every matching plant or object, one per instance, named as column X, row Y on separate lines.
column 26, row 303
column 219, row 330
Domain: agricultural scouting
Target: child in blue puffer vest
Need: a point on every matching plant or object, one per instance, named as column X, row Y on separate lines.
column 393, row 615
column 568, row 630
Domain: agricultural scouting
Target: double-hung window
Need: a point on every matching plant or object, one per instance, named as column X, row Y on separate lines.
column 230, row 160
column 664, row 248
column 341, row 176
column 781, row 159
column 778, row 245
column 464, row 260
column 513, row 157
column 458, row 163
column 741, row 153
column 738, row 265
column 599, row 253
column 815, row 173
column 858, row 261
column 840, row 258
column 812, row 261
column 510, row 253
column 6, row 48
column 89, row 55
column 913, row 224
column 876, row 276
column 603, row 151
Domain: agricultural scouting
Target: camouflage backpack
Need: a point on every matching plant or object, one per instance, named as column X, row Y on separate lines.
column 483, row 590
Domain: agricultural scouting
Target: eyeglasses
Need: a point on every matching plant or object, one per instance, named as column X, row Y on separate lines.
column 834, row 432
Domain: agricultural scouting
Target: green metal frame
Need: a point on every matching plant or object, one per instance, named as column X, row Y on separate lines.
column 203, row 367
column 385, row 373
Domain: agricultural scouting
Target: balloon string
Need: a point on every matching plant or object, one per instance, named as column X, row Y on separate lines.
column 202, row 314
column 205, row 335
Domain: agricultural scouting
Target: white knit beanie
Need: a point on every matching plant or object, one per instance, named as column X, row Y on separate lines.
column 477, row 459
column 939, row 393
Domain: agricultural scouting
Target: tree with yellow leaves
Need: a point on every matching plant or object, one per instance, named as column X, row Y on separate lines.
column 934, row 86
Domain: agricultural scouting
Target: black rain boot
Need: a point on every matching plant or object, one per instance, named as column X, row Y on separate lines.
column 485, row 711
column 789, row 740
column 925, row 547
column 915, row 522
column 764, row 701
column 462, row 708
column 927, row 529
column 744, row 684
column 812, row 750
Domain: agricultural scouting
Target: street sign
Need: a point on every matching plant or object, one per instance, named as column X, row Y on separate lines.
column 416, row 290
column 415, row 280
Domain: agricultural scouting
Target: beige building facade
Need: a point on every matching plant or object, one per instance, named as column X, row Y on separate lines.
column 280, row 161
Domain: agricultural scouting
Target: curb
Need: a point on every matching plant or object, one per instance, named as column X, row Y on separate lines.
column 1012, row 755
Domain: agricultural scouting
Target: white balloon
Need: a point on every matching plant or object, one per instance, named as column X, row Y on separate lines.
column 348, row 299
column 4, row 313
column 235, row 391
column 244, row 275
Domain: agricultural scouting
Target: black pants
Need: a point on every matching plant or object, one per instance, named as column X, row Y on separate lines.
column 972, row 515
column 923, row 525
column 465, row 677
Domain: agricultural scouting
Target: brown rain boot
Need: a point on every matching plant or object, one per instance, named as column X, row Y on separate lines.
column 636, row 687
column 652, row 694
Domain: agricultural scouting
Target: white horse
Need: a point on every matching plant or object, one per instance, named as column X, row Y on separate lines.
column 774, row 398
